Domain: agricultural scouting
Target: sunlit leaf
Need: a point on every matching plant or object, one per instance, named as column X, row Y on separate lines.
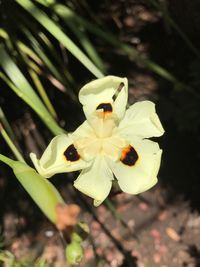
column 55, row 30
column 20, row 85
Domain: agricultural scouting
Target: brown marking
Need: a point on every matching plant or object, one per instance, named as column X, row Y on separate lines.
column 129, row 156
column 120, row 87
column 71, row 153
column 107, row 107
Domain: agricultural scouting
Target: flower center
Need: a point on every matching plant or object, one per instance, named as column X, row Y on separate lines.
column 103, row 139
column 102, row 124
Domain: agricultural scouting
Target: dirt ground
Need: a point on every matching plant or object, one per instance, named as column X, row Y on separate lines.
column 149, row 233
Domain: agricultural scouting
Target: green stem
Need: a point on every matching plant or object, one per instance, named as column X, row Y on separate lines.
column 11, row 144
column 115, row 213
column 112, row 209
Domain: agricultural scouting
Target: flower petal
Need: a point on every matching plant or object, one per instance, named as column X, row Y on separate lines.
column 142, row 174
column 86, row 141
column 99, row 94
column 60, row 156
column 95, row 181
column 141, row 120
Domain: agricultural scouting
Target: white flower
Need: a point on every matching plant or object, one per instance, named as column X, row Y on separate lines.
column 110, row 143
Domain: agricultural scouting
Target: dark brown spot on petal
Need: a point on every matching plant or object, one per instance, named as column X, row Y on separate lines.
column 129, row 156
column 120, row 87
column 71, row 153
column 107, row 107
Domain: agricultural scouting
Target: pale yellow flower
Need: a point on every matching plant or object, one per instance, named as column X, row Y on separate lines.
column 110, row 144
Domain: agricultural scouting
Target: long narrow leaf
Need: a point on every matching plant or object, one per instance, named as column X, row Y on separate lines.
column 6, row 123
column 57, row 59
column 52, row 27
column 10, row 143
column 24, row 90
column 41, row 53
column 25, row 49
column 42, row 93
column 30, row 57
column 64, row 11
column 85, row 42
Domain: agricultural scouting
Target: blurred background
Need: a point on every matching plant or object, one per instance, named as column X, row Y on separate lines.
column 48, row 50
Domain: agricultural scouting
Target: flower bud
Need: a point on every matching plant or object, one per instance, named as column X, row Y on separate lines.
column 74, row 253
column 40, row 189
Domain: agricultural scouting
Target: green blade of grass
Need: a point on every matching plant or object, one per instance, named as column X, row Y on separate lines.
column 23, row 89
column 28, row 51
column 85, row 42
column 30, row 57
column 64, row 11
column 44, row 58
column 53, row 28
column 6, row 124
column 42, row 93
column 57, row 59
column 46, row 2
column 11, row 144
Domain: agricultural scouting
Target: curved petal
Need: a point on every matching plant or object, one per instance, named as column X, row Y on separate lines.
column 141, row 120
column 95, row 181
column 101, row 92
column 60, row 156
column 142, row 175
column 86, row 141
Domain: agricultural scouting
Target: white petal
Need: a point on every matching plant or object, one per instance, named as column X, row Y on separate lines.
column 112, row 147
column 102, row 91
column 143, row 175
column 141, row 120
column 53, row 159
column 95, row 181
column 83, row 131
column 86, row 141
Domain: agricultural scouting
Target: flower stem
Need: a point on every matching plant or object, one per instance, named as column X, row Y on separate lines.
column 11, row 144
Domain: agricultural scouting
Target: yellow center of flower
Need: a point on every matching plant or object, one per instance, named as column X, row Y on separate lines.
column 103, row 138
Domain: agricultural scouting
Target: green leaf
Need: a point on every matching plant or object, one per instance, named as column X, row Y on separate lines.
column 19, row 84
column 80, row 33
column 42, row 93
column 54, row 29
column 43, row 57
column 11, row 144
column 6, row 124
column 65, row 12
